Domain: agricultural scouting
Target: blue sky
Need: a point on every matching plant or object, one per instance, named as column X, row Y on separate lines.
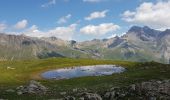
column 80, row 19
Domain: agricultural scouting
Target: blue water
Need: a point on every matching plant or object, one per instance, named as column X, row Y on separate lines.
column 74, row 72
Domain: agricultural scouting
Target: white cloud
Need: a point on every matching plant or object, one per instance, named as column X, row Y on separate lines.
column 65, row 33
column 21, row 24
column 51, row 2
column 100, row 29
column 2, row 27
column 33, row 31
column 92, row 1
column 64, row 19
column 96, row 15
column 155, row 15
column 112, row 36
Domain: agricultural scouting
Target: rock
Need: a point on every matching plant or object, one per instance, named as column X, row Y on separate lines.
column 19, row 92
column 109, row 95
column 155, row 87
column 81, row 98
column 151, row 90
column 114, row 88
column 10, row 68
column 19, row 87
column 10, row 90
column 91, row 96
column 84, row 89
column 122, row 95
column 33, row 87
column 75, row 90
column 70, row 98
column 133, row 87
column 159, row 82
column 152, row 98
column 63, row 93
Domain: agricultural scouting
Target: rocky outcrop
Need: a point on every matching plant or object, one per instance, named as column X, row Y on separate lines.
column 33, row 87
column 151, row 90
column 153, row 87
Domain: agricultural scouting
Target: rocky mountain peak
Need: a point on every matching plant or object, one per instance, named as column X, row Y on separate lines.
column 145, row 29
column 135, row 29
column 167, row 31
column 164, row 33
column 144, row 33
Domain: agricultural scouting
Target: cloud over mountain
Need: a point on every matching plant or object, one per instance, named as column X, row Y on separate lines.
column 64, row 19
column 65, row 33
column 2, row 27
column 21, row 24
column 152, row 14
column 100, row 29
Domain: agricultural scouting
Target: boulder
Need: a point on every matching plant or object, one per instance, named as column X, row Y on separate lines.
column 109, row 95
column 91, row 96
column 33, row 87
column 75, row 90
column 63, row 93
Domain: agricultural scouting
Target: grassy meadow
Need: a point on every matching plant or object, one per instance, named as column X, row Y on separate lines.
column 16, row 73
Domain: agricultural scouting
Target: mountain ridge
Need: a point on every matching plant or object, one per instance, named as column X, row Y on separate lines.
column 138, row 44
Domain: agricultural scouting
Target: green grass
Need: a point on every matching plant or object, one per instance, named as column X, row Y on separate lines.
column 24, row 71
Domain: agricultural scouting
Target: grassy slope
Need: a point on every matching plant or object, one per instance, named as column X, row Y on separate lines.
column 27, row 70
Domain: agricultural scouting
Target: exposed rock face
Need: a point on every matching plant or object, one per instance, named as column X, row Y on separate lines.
column 114, row 42
column 33, row 87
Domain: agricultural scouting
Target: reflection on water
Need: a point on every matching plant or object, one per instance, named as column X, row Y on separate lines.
column 96, row 70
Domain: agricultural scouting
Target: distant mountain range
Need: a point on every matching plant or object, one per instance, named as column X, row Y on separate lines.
column 138, row 44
